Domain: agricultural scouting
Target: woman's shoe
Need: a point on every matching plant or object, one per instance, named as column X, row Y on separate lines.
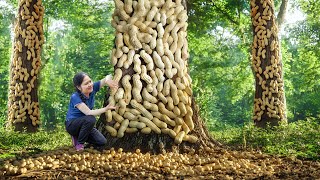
column 79, row 147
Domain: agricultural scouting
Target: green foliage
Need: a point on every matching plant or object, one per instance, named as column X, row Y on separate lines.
column 207, row 15
column 222, row 77
column 5, row 48
column 82, row 43
column 302, row 65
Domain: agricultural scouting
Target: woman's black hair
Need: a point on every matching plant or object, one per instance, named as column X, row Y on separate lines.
column 77, row 81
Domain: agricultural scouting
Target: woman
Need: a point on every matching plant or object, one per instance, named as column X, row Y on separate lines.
column 80, row 118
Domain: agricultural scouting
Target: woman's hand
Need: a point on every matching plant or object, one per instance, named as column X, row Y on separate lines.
column 110, row 107
column 111, row 83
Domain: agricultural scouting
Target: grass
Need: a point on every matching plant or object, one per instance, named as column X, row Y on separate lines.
column 299, row 139
column 17, row 143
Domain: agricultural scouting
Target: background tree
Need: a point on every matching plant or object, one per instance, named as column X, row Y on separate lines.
column 23, row 104
column 269, row 102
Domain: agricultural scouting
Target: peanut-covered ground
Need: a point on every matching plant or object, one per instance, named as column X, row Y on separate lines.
column 115, row 164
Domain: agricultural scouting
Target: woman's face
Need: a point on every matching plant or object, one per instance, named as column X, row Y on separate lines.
column 86, row 86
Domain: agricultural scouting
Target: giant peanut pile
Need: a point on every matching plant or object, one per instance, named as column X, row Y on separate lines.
column 26, row 62
column 150, row 61
column 208, row 164
column 268, row 73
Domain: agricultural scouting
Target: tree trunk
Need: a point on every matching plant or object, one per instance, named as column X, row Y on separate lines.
column 23, row 104
column 269, row 102
column 156, row 110
column 282, row 13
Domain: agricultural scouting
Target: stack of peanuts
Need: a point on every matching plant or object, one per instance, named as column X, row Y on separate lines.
column 150, row 62
column 118, row 162
column 266, row 62
column 26, row 62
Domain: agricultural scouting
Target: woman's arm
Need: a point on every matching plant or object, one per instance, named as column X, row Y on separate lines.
column 85, row 110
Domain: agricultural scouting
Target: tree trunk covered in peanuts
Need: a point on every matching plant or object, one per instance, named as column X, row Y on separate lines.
column 23, row 104
column 269, row 102
column 156, row 108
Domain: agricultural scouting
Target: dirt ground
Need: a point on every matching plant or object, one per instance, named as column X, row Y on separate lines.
column 116, row 164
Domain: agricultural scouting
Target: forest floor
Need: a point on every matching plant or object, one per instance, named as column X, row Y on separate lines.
column 218, row 163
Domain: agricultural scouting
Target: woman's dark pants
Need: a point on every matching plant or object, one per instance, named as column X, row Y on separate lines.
column 83, row 128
